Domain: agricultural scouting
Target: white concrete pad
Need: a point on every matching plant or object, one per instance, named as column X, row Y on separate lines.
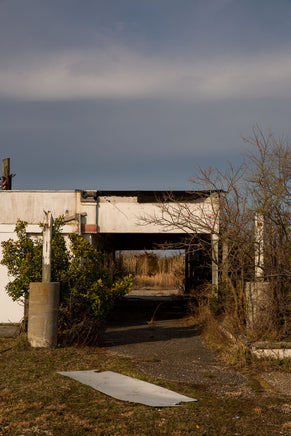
column 127, row 388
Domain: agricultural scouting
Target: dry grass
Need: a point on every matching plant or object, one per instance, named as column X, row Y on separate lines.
column 157, row 281
column 34, row 399
column 231, row 351
column 151, row 271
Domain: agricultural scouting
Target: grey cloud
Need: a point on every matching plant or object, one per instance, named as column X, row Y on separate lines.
column 134, row 94
column 127, row 144
column 118, row 72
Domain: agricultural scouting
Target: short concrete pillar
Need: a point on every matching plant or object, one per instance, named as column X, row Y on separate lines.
column 258, row 305
column 43, row 314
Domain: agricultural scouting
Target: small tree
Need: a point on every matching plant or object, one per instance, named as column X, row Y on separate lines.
column 87, row 291
column 23, row 259
column 90, row 294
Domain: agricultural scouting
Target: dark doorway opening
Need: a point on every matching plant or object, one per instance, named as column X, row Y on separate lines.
column 197, row 269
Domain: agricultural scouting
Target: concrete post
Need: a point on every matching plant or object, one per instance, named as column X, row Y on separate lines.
column 258, row 296
column 258, row 306
column 43, row 314
column 47, row 247
column 214, row 246
column 259, row 246
column 225, row 262
column 187, row 271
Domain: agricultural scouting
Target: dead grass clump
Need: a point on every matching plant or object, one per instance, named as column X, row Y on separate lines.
column 151, row 271
column 229, row 352
column 21, row 341
column 212, row 332
column 80, row 329
column 157, row 281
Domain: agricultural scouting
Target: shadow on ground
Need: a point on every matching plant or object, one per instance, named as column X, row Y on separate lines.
column 138, row 321
column 155, row 334
column 164, row 346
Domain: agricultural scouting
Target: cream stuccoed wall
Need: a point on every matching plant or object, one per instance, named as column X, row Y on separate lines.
column 10, row 311
column 29, row 206
column 109, row 214
column 126, row 215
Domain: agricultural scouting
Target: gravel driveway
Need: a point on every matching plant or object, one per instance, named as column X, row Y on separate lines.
column 169, row 348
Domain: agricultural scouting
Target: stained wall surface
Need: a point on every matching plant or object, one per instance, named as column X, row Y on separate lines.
column 106, row 214
column 28, row 206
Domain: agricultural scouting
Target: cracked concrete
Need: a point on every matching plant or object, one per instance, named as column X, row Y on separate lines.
column 168, row 348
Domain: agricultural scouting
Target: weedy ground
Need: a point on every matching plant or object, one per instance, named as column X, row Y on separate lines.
column 34, row 399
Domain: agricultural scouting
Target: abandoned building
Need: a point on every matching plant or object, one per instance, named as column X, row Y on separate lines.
column 110, row 220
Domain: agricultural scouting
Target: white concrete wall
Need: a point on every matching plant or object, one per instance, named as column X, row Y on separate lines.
column 110, row 215
column 29, row 205
column 125, row 215
column 10, row 311
column 91, row 210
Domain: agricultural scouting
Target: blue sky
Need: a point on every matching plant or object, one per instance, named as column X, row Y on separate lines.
column 134, row 94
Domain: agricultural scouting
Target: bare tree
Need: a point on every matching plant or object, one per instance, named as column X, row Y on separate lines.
column 269, row 189
column 233, row 198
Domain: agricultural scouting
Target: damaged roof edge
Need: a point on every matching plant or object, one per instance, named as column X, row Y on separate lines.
column 150, row 196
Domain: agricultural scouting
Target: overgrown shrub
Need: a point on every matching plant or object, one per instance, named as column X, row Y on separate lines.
column 88, row 292
column 23, row 259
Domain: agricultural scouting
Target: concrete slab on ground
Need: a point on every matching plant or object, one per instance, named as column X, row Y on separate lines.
column 164, row 345
column 153, row 293
column 8, row 330
column 127, row 388
column 280, row 381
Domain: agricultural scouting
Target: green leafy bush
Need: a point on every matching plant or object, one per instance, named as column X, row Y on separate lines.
column 88, row 292
column 23, row 259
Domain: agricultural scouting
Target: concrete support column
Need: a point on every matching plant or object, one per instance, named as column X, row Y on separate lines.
column 43, row 314
column 214, row 247
column 258, row 306
column 259, row 247
column 187, row 271
column 225, row 262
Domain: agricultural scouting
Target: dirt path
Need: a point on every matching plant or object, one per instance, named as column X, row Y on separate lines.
column 169, row 348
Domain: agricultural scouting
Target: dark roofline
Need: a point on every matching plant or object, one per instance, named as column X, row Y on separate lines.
column 151, row 196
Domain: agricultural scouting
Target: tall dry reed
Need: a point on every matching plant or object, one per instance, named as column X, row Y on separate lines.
column 151, row 271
